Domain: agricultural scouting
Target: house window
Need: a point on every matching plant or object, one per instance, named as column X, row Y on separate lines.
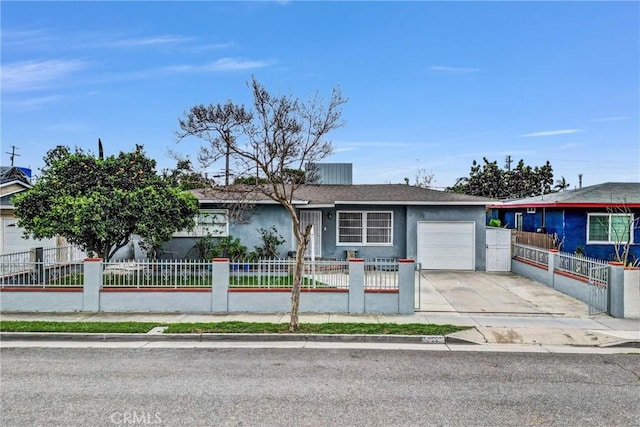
column 365, row 228
column 518, row 221
column 609, row 228
column 209, row 222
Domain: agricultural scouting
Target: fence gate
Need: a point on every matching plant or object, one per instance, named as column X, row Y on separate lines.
column 498, row 256
column 598, row 290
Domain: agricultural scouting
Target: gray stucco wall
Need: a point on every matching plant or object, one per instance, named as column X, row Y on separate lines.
column 170, row 301
column 329, row 236
column 262, row 216
column 448, row 213
column 268, row 302
column 42, row 301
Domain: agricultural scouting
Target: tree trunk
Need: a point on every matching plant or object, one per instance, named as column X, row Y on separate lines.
column 294, row 323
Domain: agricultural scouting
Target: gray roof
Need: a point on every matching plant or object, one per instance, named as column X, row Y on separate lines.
column 608, row 193
column 399, row 194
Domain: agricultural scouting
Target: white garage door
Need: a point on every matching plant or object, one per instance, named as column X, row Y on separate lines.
column 12, row 240
column 447, row 245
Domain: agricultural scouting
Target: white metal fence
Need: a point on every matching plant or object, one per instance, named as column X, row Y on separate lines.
column 157, row 273
column 42, row 275
column 278, row 273
column 588, row 268
column 53, row 266
column 381, row 274
column 533, row 254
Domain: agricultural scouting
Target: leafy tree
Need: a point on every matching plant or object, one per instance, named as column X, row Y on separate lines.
column 489, row 180
column 281, row 134
column 98, row 204
column 185, row 177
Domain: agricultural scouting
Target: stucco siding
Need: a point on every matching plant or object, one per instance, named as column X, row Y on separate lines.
column 448, row 213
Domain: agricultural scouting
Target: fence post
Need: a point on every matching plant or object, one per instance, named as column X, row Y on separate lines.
column 37, row 254
column 92, row 284
column 632, row 293
column 406, row 286
column 356, row 285
column 616, row 289
column 553, row 259
column 220, row 285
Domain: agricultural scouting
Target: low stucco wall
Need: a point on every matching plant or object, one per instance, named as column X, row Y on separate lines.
column 383, row 303
column 539, row 274
column 156, row 301
column 275, row 301
column 42, row 300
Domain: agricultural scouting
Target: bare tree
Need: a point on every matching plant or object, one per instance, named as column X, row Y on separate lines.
column 282, row 134
column 623, row 225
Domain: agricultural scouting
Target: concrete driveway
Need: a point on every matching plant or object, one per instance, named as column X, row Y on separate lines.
column 492, row 293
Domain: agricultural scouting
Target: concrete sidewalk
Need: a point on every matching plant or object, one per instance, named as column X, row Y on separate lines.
column 500, row 308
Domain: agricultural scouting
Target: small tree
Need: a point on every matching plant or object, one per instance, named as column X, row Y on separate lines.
column 98, row 204
column 282, row 134
column 623, row 226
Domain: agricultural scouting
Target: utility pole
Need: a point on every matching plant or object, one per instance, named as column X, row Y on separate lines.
column 12, row 154
column 508, row 162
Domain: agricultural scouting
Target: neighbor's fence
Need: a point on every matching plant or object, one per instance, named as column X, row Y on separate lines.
column 585, row 267
column 604, row 286
column 539, row 240
column 533, row 254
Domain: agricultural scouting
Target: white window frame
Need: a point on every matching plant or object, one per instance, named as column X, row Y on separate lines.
column 205, row 225
column 363, row 234
column 609, row 241
column 518, row 219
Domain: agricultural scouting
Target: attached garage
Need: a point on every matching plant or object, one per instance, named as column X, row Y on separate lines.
column 446, row 245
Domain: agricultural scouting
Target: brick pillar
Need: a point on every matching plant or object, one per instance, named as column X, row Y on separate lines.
column 406, row 286
column 356, row 285
column 220, row 285
column 92, row 284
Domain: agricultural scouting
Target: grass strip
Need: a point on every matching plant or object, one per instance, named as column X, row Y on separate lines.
column 230, row 328
column 314, row 328
column 77, row 327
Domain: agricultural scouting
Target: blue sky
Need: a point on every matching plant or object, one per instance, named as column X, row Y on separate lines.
column 431, row 85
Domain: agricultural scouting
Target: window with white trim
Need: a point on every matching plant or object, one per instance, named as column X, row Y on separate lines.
column 365, row 228
column 209, row 222
column 609, row 228
column 518, row 221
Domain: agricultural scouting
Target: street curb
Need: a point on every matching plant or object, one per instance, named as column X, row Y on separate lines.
column 63, row 336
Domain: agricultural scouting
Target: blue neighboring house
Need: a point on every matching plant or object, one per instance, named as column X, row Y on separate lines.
column 438, row 229
column 590, row 220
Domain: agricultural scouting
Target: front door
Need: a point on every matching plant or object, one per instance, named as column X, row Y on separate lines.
column 314, row 218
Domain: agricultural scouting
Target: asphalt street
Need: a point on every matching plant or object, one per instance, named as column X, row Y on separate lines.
column 315, row 387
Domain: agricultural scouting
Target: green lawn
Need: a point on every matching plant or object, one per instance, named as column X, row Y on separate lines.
column 230, row 327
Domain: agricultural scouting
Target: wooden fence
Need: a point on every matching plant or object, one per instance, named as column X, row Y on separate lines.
column 538, row 240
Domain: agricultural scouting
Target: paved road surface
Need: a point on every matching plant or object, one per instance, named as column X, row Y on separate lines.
column 303, row 387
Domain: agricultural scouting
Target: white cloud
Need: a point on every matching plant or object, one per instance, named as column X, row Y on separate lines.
column 453, row 70
column 30, row 75
column 224, row 64
column 148, row 41
column 552, row 132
